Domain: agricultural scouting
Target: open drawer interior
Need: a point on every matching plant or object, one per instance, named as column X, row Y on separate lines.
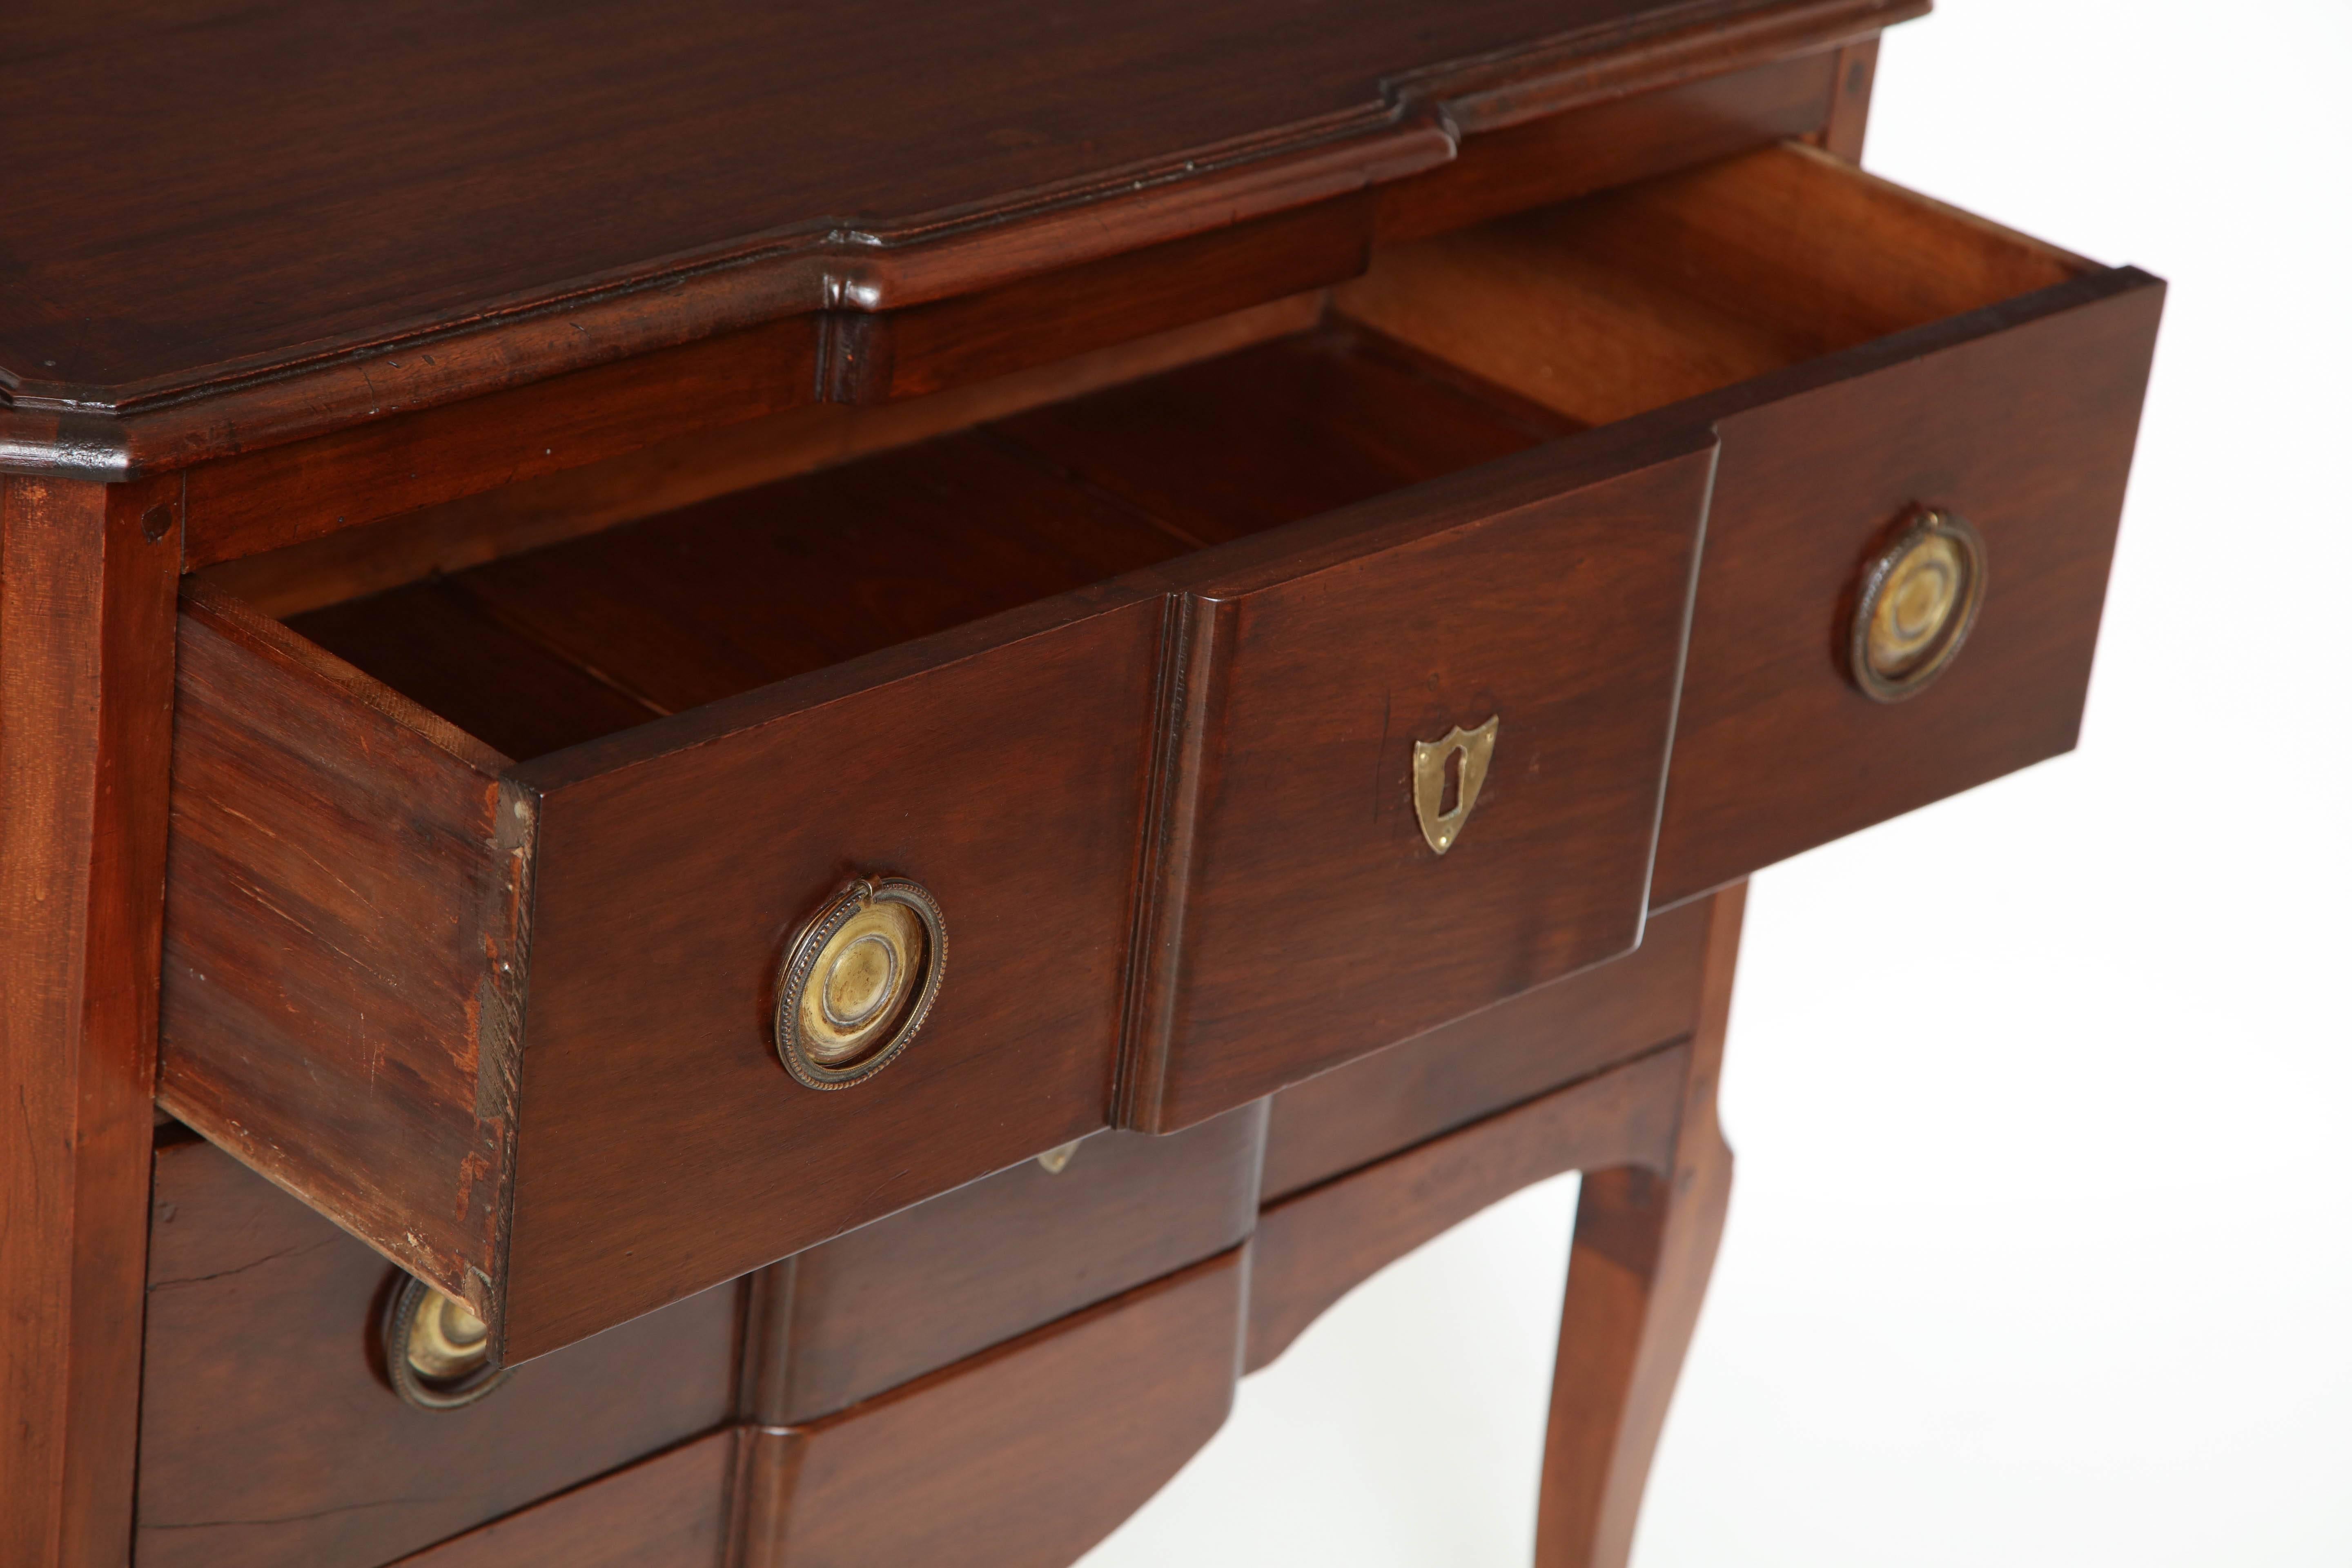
column 469, row 917
column 1447, row 353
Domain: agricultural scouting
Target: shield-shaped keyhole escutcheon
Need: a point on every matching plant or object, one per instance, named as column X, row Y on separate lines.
column 1432, row 761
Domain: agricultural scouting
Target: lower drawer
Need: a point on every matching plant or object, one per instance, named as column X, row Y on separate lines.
column 269, row 1436
column 1020, row 1458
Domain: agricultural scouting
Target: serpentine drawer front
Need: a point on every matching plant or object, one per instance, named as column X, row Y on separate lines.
column 593, row 924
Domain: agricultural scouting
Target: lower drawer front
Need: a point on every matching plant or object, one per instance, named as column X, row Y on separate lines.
column 269, row 1438
column 1024, row 1457
column 272, row 1434
column 949, row 1278
column 1554, row 1035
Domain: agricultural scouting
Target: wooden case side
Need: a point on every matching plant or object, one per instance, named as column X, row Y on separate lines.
column 345, row 945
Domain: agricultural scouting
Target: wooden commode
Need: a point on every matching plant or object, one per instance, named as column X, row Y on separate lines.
column 769, row 775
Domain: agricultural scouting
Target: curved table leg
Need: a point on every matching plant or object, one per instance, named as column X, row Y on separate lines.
column 1644, row 1246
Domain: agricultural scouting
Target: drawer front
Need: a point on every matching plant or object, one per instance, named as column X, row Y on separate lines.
column 1414, row 765
column 1392, row 1100
column 269, row 1436
column 992, row 1260
column 1024, row 1455
column 662, row 1147
column 515, row 1027
column 2022, row 419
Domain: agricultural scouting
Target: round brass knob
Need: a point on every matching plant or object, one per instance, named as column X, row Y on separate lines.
column 1917, row 600
column 858, row 979
column 436, row 1353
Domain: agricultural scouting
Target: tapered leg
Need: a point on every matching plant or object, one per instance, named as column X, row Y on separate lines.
column 1646, row 1244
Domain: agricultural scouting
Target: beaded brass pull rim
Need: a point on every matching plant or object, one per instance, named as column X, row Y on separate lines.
column 869, row 921
column 1915, row 605
column 435, row 1351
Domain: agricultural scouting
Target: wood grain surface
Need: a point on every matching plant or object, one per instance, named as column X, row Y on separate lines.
column 668, row 1512
column 345, row 945
column 1637, row 1272
column 1314, row 1247
column 269, row 1438
column 461, row 201
column 1003, row 769
column 969, row 1269
column 1297, row 917
column 526, row 510
column 86, row 584
column 1374, row 1106
column 702, row 396
column 676, row 672
column 1860, row 349
column 1020, row 1458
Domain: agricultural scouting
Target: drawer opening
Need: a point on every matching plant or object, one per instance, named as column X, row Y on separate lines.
column 1627, row 302
column 1448, row 352
column 535, row 652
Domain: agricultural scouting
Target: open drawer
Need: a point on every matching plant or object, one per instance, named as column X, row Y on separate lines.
column 504, row 922
column 490, row 895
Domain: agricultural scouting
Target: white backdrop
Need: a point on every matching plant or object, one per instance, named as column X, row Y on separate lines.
column 2054, row 1266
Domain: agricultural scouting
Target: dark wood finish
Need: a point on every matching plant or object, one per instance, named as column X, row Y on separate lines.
column 701, row 394
column 691, row 845
column 949, row 1278
column 1555, row 157
column 232, row 267
column 527, row 513
column 1232, row 446
column 1377, row 1105
column 1960, row 365
column 671, row 864
column 268, row 1436
column 1003, row 768
column 668, row 1512
column 1645, row 1243
column 1297, row 917
column 1024, row 1456
column 1849, row 118
column 667, row 859
column 345, row 945
column 750, row 589
column 86, row 582
column 1315, row 1246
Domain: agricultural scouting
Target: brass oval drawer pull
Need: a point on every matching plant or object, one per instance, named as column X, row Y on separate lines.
column 1915, row 605
column 858, row 979
column 436, row 1353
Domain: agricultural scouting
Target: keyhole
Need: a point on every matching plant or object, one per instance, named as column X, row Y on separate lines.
column 1449, row 797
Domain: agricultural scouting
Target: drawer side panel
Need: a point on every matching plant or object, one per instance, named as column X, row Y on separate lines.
column 347, row 909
